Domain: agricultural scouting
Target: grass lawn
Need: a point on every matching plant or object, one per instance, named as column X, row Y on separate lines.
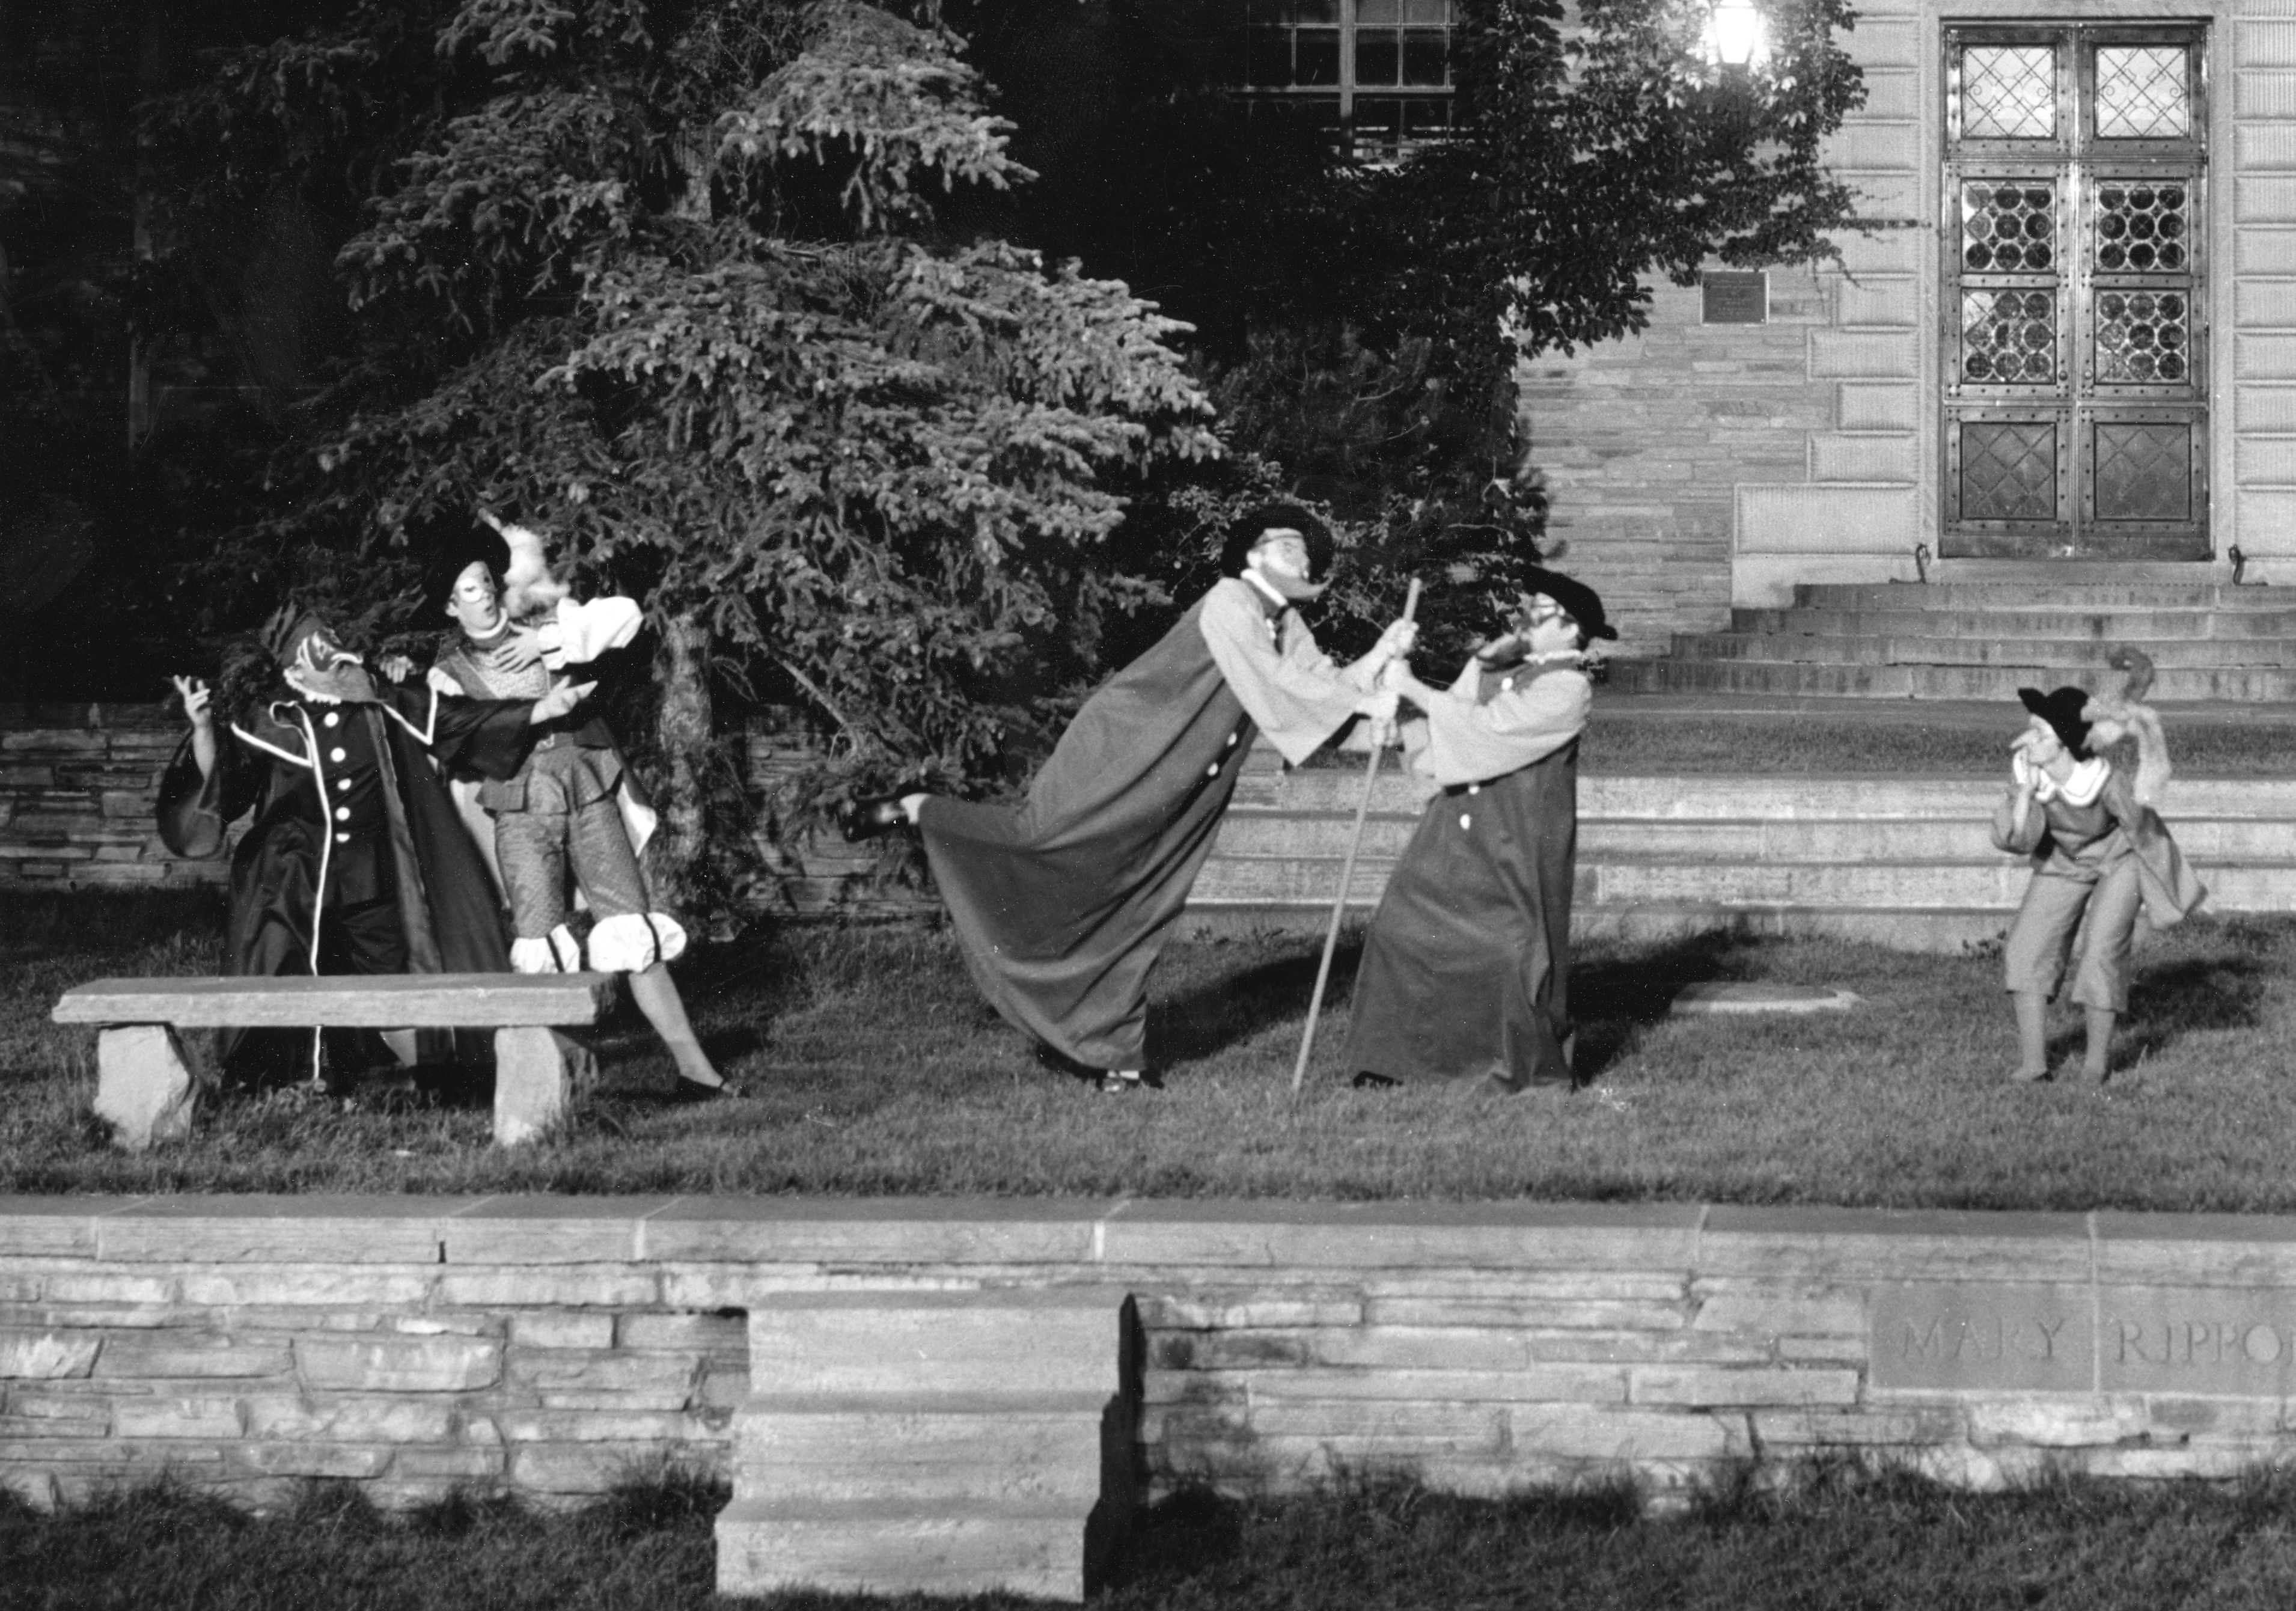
column 1829, row 1540
column 877, row 1070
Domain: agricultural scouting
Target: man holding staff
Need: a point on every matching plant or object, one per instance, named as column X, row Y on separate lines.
column 1467, row 968
column 1064, row 903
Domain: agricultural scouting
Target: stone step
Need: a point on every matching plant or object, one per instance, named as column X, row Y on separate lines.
column 875, row 1546
column 1627, row 881
column 1031, row 1449
column 2089, row 656
column 1269, row 837
column 1928, row 682
column 2038, row 595
column 2014, row 619
column 952, row 1342
column 1732, row 797
column 1931, row 929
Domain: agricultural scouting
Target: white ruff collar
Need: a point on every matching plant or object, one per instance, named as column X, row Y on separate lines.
column 2082, row 788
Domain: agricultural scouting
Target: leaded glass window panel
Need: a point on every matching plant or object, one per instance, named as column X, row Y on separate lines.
column 2143, row 338
column 2144, row 470
column 2142, row 228
column 2009, row 469
column 2009, row 92
column 2009, row 227
column 2009, row 338
column 2142, row 93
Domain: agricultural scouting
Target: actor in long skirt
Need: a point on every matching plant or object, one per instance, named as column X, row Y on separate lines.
column 1466, row 969
column 1064, row 903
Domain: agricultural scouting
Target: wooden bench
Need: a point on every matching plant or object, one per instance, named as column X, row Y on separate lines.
column 145, row 1091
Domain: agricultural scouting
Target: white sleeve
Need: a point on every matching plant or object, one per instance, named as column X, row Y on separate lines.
column 584, row 631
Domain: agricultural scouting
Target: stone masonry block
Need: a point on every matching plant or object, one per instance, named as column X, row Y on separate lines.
column 326, row 1418
column 520, row 1426
column 340, row 1461
column 63, row 1406
column 1697, row 1386
column 579, row 1468
column 144, row 1089
column 1450, row 1428
column 536, row 1073
column 694, row 1333
column 2183, row 1418
column 46, row 1355
column 1558, row 1286
column 174, row 1416
column 1563, row 1315
column 2057, row 1423
column 1227, row 1308
column 1422, row 1347
column 548, row 1369
column 1681, row 1347
column 1574, row 1433
column 442, row 1364
column 1908, row 1426
column 190, row 1353
column 1782, row 1311
column 562, row 1328
column 308, row 1286
column 460, row 1465
column 1535, row 1384
column 560, row 1287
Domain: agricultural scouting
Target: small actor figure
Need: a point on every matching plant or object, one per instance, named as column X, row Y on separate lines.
column 1064, row 903
column 2096, row 849
column 573, row 807
column 1466, row 967
column 355, row 862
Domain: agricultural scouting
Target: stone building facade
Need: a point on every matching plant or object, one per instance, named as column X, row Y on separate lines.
column 2122, row 400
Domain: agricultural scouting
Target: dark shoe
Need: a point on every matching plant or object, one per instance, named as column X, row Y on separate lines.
column 859, row 819
column 1367, row 1081
column 694, row 1090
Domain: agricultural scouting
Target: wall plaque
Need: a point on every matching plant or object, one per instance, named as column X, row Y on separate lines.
column 1733, row 298
column 1982, row 1337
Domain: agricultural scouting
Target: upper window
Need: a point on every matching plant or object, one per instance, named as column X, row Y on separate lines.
column 1377, row 70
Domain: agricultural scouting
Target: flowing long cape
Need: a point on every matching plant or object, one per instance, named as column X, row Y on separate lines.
column 1064, row 903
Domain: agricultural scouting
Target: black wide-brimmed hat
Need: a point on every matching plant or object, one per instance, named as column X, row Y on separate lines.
column 1244, row 536
column 1580, row 601
column 2062, row 709
column 474, row 544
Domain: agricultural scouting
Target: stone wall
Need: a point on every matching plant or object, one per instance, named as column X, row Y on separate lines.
column 79, row 785
column 545, row 1347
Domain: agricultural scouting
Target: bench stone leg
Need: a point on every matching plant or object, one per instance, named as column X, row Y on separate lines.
column 537, row 1072
column 143, row 1088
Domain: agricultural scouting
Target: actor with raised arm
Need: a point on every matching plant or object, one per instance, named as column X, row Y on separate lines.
column 1063, row 902
column 2098, row 849
column 355, row 862
column 573, row 811
column 1467, row 968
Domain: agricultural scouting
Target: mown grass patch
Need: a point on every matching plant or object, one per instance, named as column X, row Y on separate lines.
column 877, row 1070
column 1824, row 1537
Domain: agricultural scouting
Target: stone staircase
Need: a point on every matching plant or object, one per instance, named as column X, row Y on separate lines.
column 932, row 1441
column 1903, row 861
column 2026, row 625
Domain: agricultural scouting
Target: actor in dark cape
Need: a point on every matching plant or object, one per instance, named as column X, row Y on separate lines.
column 1466, row 967
column 356, row 861
column 1064, row 903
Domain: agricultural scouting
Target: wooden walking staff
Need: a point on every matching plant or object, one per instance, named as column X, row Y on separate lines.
column 1347, row 881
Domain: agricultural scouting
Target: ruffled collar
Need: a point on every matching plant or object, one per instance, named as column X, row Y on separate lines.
column 2081, row 788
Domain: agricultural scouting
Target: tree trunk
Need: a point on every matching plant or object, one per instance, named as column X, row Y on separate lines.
column 684, row 730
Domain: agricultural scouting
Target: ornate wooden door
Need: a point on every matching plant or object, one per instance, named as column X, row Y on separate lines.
column 2074, row 306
